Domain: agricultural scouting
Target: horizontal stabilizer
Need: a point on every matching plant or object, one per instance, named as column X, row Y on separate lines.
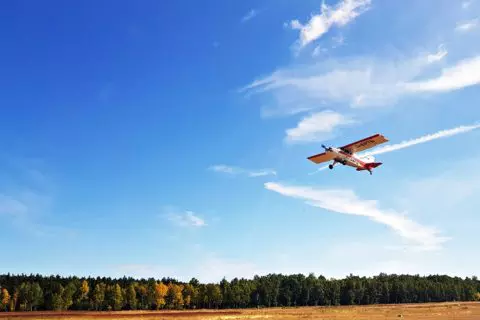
column 374, row 164
column 369, row 166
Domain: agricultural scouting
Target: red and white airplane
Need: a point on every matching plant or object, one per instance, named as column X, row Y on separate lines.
column 346, row 155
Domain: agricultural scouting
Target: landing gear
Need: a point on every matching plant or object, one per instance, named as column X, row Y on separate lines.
column 330, row 166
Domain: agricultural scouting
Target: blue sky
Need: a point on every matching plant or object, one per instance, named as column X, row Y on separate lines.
column 170, row 138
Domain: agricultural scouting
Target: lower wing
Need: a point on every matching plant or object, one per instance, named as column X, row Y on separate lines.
column 321, row 157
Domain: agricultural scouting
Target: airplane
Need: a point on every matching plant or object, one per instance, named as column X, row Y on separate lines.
column 346, row 155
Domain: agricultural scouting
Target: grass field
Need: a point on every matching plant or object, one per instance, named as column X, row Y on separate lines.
column 468, row 311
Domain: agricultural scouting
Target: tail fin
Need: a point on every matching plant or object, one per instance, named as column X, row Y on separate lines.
column 374, row 164
column 370, row 166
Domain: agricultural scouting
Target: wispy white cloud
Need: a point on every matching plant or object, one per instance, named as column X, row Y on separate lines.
column 441, row 53
column 250, row 15
column 233, row 170
column 466, row 4
column 464, row 74
column 261, row 173
column 364, row 82
column 426, row 138
column 343, row 13
column 317, row 127
column 466, row 25
column 11, row 207
column 347, row 202
column 361, row 81
column 185, row 218
column 318, row 50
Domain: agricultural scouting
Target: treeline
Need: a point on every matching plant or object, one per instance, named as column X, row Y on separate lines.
column 35, row 292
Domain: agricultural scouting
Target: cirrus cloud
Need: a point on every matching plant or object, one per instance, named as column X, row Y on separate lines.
column 364, row 82
column 318, row 126
column 347, row 202
column 466, row 26
column 343, row 13
column 185, row 219
column 233, row 170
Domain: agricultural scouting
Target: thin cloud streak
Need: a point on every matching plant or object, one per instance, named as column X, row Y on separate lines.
column 426, row 138
column 232, row 170
column 467, row 25
column 345, row 201
column 464, row 74
column 250, row 15
column 185, row 219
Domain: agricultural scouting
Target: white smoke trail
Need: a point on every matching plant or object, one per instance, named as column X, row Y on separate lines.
column 318, row 170
column 429, row 137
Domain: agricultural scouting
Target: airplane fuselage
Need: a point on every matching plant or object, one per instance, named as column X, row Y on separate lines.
column 352, row 160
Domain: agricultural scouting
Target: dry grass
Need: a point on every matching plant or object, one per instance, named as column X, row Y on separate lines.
column 437, row 311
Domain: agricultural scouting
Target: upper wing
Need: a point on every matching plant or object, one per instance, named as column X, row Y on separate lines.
column 322, row 157
column 364, row 144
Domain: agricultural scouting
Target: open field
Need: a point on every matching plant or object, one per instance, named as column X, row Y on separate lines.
column 463, row 310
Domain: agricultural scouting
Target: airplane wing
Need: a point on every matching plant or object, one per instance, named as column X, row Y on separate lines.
column 321, row 157
column 364, row 144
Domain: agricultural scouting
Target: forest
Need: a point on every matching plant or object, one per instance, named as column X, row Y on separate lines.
column 36, row 292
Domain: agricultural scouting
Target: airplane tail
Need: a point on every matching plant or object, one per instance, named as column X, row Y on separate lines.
column 374, row 164
column 370, row 166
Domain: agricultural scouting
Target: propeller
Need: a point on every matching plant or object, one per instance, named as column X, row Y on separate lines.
column 326, row 149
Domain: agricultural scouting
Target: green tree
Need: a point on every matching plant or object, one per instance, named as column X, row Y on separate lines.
column 67, row 295
column 142, row 293
column 36, row 296
column 98, row 295
column 131, row 297
column 118, row 297
column 214, row 295
column 189, row 295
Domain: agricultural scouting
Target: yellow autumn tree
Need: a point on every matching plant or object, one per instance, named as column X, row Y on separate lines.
column 174, row 296
column 179, row 302
column 4, row 299
column 160, row 293
column 84, row 289
column 476, row 296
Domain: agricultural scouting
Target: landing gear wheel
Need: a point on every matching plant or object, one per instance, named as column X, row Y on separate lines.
column 330, row 166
